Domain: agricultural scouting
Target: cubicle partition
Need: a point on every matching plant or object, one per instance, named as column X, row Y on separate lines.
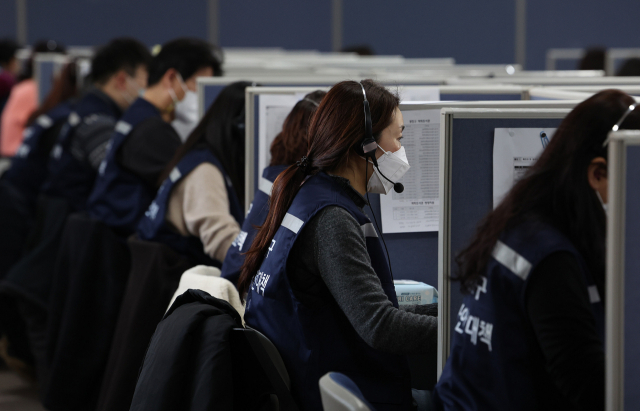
column 623, row 273
column 482, row 92
column 559, row 82
column 413, row 252
column 45, row 68
column 466, row 191
column 549, row 93
column 210, row 87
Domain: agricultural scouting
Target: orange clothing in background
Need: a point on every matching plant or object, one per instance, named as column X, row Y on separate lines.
column 22, row 102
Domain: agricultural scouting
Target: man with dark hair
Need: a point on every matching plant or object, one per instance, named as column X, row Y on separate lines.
column 144, row 141
column 9, row 69
column 119, row 72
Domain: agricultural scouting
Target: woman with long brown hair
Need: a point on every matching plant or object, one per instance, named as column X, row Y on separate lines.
column 530, row 331
column 287, row 147
column 316, row 279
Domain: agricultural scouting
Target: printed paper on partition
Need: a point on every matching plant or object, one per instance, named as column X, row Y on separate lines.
column 515, row 150
column 417, row 208
column 273, row 109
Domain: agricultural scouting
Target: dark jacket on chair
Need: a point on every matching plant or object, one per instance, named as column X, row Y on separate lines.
column 188, row 365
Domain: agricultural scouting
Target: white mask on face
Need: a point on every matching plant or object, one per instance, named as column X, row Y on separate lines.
column 186, row 115
column 604, row 205
column 172, row 93
column 127, row 95
column 393, row 165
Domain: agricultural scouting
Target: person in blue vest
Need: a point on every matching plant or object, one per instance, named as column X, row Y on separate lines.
column 530, row 332
column 287, row 147
column 29, row 166
column 197, row 210
column 316, row 280
column 144, row 140
column 118, row 72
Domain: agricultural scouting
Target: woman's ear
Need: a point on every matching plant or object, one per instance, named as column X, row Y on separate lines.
column 597, row 176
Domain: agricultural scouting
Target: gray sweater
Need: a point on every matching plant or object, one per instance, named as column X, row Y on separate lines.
column 329, row 261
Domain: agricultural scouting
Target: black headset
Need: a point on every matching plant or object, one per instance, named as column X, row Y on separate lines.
column 367, row 148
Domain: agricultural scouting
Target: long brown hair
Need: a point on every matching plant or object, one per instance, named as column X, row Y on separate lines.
column 64, row 87
column 556, row 189
column 335, row 129
column 292, row 143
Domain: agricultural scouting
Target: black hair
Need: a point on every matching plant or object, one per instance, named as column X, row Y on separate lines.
column 593, row 59
column 631, row 67
column 556, row 189
column 221, row 130
column 119, row 54
column 8, row 49
column 186, row 56
column 41, row 46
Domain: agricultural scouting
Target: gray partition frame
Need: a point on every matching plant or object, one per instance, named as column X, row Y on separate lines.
column 57, row 61
column 608, row 82
column 250, row 131
column 444, row 238
column 615, row 269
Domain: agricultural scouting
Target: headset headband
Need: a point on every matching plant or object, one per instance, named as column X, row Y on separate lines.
column 368, row 146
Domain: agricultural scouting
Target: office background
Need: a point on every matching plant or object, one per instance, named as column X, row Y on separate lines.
column 473, row 32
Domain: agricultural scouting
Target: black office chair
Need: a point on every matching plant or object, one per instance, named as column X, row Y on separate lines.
column 154, row 277
column 268, row 383
column 90, row 276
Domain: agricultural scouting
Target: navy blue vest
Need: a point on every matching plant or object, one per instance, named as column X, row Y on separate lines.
column 119, row 198
column 493, row 363
column 153, row 226
column 29, row 166
column 258, row 211
column 67, row 177
column 313, row 342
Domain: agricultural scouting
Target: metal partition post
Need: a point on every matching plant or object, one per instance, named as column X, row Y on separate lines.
column 336, row 25
column 614, row 323
column 21, row 22
column 521, row 32
column 444, row 249
column 249, row 167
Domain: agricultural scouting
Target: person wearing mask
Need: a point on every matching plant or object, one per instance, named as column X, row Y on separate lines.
column 186, row 112
column 316, row 279
column 143, row 141
column 22, row 102
column 288, row 146
column 534, row 278
column 118, row 72
column 9, row 69
column 29, row 166
column 197, row 210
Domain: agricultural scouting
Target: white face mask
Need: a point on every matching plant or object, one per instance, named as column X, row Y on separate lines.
column 186, row 115
column 604, row 205
column 393, row 165
column 128, row 95
column 172, row 93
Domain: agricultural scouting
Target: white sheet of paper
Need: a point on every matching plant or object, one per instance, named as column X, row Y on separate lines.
column 273, row 109
column 514, row 151
column 417, row 209
column 421, row 93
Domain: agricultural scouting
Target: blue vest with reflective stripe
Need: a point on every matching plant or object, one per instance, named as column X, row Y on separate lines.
column 29, row 166
column 67, row 177
column 313, row 342
column 495, row 361
column 119, row 197
column 258, row 211
column 153, row 226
